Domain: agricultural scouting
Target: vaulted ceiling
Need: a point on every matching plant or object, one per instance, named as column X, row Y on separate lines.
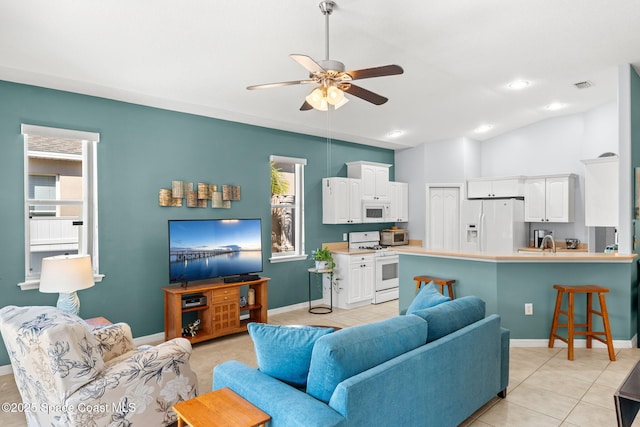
column 458, row 57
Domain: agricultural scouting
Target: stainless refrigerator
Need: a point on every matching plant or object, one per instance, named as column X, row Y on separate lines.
column 493, row 226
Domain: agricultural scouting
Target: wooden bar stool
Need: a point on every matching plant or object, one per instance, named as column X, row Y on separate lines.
column 440, row 282
column 571, row 325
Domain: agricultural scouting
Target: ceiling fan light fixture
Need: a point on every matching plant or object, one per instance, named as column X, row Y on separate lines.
column 317, row 95
column 341, row 103
column 317, row 99
column 332, row 79
column 334, row 95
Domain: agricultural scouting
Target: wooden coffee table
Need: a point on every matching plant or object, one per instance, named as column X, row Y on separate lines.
column 220, row 408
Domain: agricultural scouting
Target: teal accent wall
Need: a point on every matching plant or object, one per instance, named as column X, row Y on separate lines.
column 142, row 150
column 506, row 287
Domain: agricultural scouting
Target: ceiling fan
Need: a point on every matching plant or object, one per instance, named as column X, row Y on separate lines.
column 331, row 78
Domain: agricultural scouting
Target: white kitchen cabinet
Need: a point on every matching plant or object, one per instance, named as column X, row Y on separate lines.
column 399, row 208
column 354, row 277
column 601, row 192
column 374, row 176
column 341, row 201
column 489, row 188
column 549, row 198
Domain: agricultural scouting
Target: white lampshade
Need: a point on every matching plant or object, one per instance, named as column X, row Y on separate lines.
column 322, row 97
column 341, row 103
column 317, row 99
column 66, row 273
column 334, row 95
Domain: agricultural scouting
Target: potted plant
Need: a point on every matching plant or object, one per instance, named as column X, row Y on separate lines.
column 323, row 259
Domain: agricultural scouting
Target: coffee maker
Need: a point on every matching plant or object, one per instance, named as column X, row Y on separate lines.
column 538, row 235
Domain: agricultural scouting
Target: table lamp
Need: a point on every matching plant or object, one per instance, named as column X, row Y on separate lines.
column 66, row 274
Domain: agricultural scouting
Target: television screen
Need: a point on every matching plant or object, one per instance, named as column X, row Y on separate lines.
column 208, row 248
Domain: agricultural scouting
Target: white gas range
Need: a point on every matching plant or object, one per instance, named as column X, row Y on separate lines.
column 386, row 265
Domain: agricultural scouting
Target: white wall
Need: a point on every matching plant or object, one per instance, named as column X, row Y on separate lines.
column 443, row 162
column 552, row 146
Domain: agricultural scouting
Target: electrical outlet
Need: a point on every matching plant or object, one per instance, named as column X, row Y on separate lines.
column 528, row 309
column 344, row 237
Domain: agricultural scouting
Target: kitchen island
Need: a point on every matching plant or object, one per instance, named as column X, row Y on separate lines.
column 506, row 282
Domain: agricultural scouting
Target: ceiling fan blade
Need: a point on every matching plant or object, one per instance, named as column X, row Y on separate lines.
column 306, row 106
column 367, row 73
column 270, row 85
column 308, row 63
column 365, row 94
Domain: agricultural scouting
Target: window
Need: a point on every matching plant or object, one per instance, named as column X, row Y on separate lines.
column 60, row 197
column 287, row 208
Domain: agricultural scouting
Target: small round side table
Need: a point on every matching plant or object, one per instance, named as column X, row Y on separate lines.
column 321, row 309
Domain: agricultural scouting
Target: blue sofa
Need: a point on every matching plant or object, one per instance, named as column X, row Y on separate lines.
column 434, row 367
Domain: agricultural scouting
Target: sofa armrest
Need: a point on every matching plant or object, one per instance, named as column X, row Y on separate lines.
column 113, row 340
column 505, row 336
column 287, row 406
column 141, row 388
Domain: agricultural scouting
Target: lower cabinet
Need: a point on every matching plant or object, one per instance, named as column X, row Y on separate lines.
column 354, row 276
column 215, row 306
column 226, row 310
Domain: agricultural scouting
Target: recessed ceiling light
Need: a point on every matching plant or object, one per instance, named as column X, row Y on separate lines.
column 395, row 133
column 518, row 84
column 555, row 106
column 483, row 128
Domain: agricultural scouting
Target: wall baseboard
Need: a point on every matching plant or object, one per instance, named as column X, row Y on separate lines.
column 578, row 343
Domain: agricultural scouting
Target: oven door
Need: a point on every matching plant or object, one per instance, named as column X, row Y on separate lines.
column 387, row 272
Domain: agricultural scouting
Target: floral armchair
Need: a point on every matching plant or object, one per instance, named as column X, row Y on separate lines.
column 70, row 374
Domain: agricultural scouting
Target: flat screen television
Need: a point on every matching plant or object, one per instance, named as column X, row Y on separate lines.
column 202, row 249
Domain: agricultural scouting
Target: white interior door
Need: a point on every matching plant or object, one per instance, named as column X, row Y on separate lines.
column 443, row 218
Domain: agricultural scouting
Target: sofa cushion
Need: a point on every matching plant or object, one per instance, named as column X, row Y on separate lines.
column 284, row 352
column 348, row 352
column 452, row 315
column 428, row 296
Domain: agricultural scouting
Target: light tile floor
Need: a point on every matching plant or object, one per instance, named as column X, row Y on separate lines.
column 545, row 389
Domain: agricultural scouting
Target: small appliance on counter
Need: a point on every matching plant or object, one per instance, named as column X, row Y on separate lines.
column 394, row 237
column 572, row 243
column 538, row 235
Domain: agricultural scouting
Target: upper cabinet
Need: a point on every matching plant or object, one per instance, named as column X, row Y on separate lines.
column 549, row 198
column 601, row 192
column 366, row 195
column 399, row 208
column 375, row 179
column 489, row 188
column 341, row 201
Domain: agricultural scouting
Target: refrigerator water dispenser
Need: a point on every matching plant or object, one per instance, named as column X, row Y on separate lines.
column 472, row 234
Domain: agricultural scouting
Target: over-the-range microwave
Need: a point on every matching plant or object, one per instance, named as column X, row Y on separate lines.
column 375, row 211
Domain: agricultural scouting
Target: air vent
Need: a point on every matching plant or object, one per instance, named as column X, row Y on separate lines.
column 583, row 85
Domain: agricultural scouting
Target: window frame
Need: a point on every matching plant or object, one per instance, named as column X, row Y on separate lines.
column 88, row 242
column 300, row 253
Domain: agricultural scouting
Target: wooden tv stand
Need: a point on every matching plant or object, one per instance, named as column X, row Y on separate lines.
column 220, row 315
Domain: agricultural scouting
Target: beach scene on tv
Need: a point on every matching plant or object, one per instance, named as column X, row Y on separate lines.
column 205, row 249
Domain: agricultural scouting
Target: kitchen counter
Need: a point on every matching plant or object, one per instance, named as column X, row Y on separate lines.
column 506, row 282
column 524, row 255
